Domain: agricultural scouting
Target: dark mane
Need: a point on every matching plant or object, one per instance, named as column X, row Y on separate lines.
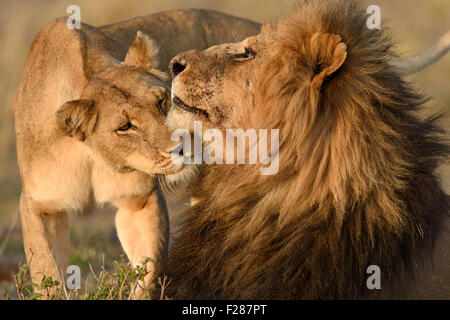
column 355, row 187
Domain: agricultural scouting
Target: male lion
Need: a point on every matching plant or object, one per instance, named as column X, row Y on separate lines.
column 355, row 185
column 89, row 115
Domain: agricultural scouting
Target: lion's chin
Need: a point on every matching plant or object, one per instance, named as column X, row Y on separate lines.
column 173, row 183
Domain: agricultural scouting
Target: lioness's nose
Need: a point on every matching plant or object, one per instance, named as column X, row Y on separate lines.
column 177, row 66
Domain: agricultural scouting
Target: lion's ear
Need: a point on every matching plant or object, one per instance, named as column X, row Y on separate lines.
column 76, row 118
column 330, row 53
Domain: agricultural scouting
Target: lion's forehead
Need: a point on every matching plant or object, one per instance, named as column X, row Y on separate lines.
column 260, row 43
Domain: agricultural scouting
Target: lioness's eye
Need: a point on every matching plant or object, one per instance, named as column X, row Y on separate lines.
column 126, row 127
column 161, row 106
column 248, row 54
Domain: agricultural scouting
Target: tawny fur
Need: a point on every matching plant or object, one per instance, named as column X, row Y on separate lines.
column 70, row 102
column 356, row 185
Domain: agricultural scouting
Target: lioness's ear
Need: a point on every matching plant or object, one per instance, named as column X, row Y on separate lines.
column 76, row 118
column 330, row 54
column 144, row 53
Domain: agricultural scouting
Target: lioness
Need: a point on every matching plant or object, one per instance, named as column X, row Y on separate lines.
column 356, row 187
column 89, row 115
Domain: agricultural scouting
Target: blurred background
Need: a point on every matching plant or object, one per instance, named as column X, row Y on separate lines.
column 415, row 24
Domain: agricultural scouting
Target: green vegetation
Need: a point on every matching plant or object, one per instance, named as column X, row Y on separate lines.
column 118, row 284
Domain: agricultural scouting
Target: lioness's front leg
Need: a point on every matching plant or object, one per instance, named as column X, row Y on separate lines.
column 143, row 230
column 46, row 240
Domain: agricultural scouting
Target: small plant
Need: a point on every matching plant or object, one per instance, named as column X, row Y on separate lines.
column 25, row 286
column 119, row 284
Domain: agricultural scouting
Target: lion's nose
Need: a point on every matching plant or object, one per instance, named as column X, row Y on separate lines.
column 177, row 66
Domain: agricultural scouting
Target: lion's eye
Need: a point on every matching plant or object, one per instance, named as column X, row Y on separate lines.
column 126, row 127
column 248, row 54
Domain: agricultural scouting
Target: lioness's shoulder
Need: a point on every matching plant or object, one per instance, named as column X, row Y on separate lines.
column 181, row 17
column 52, row 47
column 52, row 35
column 183, row 30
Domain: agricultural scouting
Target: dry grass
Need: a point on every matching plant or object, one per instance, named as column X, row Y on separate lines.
column 103, row 284
column 415, row 23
